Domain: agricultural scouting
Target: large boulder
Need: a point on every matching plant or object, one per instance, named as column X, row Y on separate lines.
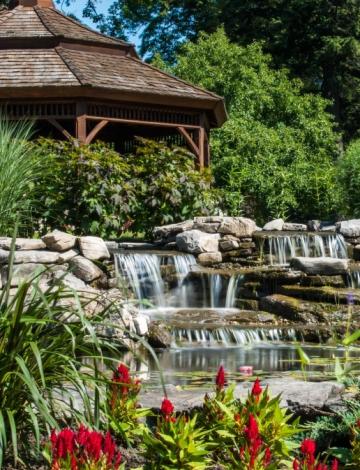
column 240, row 227
column 85, row 269
column 93, row 248
column 171, row 230
column 349, row 228
column 229, row 243
column 22, row 244
column 323, row 266
column 159, row 335
column 276, row 224
column 21, row 273
column 197, row 242
column 37, row 257
column 59, row 241
column 208, row 259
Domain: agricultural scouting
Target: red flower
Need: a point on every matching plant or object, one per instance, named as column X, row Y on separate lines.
column 296, row 465
column 256, row 390
column 321, row 466
column 167, row 407
column 267, row 457
column 64, row 445
column 252, row 429
column 220, row 378
column 308, row 447
column 335, row 465
column 122, row 375
column 94, row 445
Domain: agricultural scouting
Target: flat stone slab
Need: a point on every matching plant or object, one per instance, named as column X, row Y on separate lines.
column 322, row 265
column 22, row 244
column 307, row 399
column 31, row 256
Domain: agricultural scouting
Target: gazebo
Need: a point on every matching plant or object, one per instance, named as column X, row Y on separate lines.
column 80, row 84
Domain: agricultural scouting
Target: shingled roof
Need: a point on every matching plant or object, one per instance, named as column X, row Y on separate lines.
column 44, row 50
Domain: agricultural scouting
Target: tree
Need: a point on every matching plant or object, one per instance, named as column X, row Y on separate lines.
column 318, row 40
column 275, row 156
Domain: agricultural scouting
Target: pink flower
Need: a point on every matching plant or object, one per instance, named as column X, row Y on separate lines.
column 220, row 378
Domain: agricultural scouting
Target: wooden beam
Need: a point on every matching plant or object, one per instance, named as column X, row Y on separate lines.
column 81, row 131
column 60, row 128
column 136, row 122
column 193, row 147
column 96, row 130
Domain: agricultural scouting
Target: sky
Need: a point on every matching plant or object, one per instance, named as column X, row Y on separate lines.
column 78, row 5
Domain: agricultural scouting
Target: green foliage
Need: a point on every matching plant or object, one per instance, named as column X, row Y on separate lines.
column 44, row 338
column 94, row 190
column 275, row 156
column 349, row 180
column 177, row 443
column 317, row 40
column 20, row 166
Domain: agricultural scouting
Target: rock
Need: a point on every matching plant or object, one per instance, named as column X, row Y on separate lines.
column 36, row 257
column 139, row 246
column 322, row 281
column 287, row 307
column 328, row 228
column 313, row 225
column 322, row 266
column 22, row 244
column 22, row 273
column 85, row 269
column 194, row 241
column 349, row 228
column 207, row 259
column 229, row 243
column 276, row 224
column 59, row 241
column 356, row 253
column 322, row 294
column 141, row 323
column 167, row 231
column 67, row 256
column 70, row 280
column 210, row 227
column 237, row 226
column 111, row 245
column 93, row 248
column 289, row 227
column 159, row 335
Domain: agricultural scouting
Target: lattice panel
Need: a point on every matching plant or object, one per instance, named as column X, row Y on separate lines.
column 57, row 110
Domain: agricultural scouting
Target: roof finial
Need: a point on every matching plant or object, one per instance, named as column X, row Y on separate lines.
column 33, row 3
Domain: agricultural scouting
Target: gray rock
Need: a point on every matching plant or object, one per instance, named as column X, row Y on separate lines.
column 67, row 256
column 323, row 266
column 328, row 228
column 229, row 243
column 194, row 241
column 22, row 244
column 290, row 227
column 70, row 280
column 207, row 259
column 141, row 323
column 276, row 224
column 240, row 227
column 159, row 335
column 59, row 241
column 349, row 228
column 313, row 225
column 21, row 273
column 93, row 248
column 37, row 257
column 167, row 231
column 210, row 227
column 85, row 269
column 111, row 245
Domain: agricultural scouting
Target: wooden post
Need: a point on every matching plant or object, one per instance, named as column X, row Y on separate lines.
column 81, row 132
column 202, row 142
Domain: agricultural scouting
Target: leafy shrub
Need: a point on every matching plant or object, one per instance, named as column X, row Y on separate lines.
column 349, row 180
column 20, row 166
column 44, row 337
column 94, row 190
column 275, row 156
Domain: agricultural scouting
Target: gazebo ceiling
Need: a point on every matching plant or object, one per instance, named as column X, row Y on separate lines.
column 44, row 54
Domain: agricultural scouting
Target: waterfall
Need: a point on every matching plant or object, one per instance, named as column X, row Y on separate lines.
column 232, row 289
column 229, row 336
column 284, row 247
column 353, row 279
column 142, row 271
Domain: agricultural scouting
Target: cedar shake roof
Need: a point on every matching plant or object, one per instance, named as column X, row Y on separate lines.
column 44, row 51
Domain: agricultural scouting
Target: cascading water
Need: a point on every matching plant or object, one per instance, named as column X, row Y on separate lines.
column 353, row 279
column 284, row 247
column 229, row 336
column 143, row 273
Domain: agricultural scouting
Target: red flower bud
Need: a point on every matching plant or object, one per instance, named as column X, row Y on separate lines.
column 220, row 378
column 296, row 465
column 335, row 465
column 267, row 457
column 167, row 407
column 308, row 447
column 252, row 429
column 256, row 390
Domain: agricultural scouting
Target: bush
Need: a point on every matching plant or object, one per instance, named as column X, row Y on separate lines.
column 349, row 180
column 94, row 190
column 275, row 156
column 20, row 166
